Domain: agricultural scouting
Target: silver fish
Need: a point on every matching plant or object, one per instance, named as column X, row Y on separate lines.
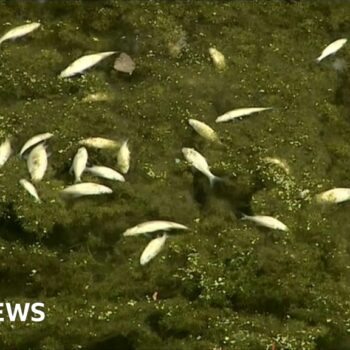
column 218, row 58
column 33, row 141
column 204, row 130
column 85, row 189
column 332, row 49
column 152, row 249
column 29, row 187
column 200, row 163
column 124, row 158
column 240, row 112
column 5, row 152
column 79, row 163
column 84, row 62
column 99, row 142
column 19, row 31
column 37, row 162
column 153, row 226
column 105, row 172
column 335, row 195
column 266, row 221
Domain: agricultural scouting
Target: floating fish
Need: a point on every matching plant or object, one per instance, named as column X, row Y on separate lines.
column 218, row 58
column 105, row 172
column 19, row 31
column 33, row 141
column 83, row 63
column 279, row 162
column 335, row 195
column 332, row 49
column 37, row 162
column 200, row 163
column 153, row 226
column 97, row 97
column 152, row 249
column 124, row 63
column 124, row 158
column 79, row 163
column 85, row 189
column 266, row 221
column 240, row 112
column 99, row 142
column 5, row 152
column 29, row 187
column 204, row 130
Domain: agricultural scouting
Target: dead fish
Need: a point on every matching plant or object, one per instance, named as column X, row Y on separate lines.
column 33, row 141
column 124, row 158
column 37, row 162
column 85, row 189
column 200, row 163
column 240, row 112
column 124, row 63
column 79, row 163
column 29, row 187
column 97, row 97
column 153, row 226
column 335, row 195
column 99, row 142
column 152, row 249
column 218, row 58
column 204, row 130
column 19, row 31
column 279, row 162
column 266, row 221
column 332, row 49
column 83, row 63
column 5, row 151
column 106, row 173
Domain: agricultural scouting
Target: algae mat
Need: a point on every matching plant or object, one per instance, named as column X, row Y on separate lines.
column 224, row 284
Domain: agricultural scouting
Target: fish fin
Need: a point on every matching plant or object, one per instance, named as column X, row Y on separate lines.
column 77, row 180
column 214, row 180
column 243, row 216
column 71, row 170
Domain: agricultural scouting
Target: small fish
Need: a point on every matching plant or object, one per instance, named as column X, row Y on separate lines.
column 153, row 226
column 19, row 31
column 204, row 130
column 99, row 142
column 200, row 163
column 218, row 58
column 335, row 195
column 106, row 173
column 37, row 162
column 5, row 151
column 83, row 63
column 279, row 162
column 124, row 158
column 332, row 49
column 79, row 163
column 29, row 187
column 152, row 249
column 97, row 97
column 85, row 189
column 240, row 112
column 33, row 141
column 124, row 63
column 266, row 221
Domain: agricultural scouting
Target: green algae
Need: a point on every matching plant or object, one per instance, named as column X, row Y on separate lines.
column 226, row 284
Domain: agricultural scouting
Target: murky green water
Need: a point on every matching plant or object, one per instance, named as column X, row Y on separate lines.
column 226, row 284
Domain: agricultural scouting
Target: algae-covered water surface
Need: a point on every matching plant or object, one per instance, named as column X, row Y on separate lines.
column 225, row 283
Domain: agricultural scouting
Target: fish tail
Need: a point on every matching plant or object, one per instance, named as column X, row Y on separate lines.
column 215, row 179
column 77, row 180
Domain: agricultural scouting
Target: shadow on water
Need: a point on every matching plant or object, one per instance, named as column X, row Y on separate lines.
column 234, row 192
